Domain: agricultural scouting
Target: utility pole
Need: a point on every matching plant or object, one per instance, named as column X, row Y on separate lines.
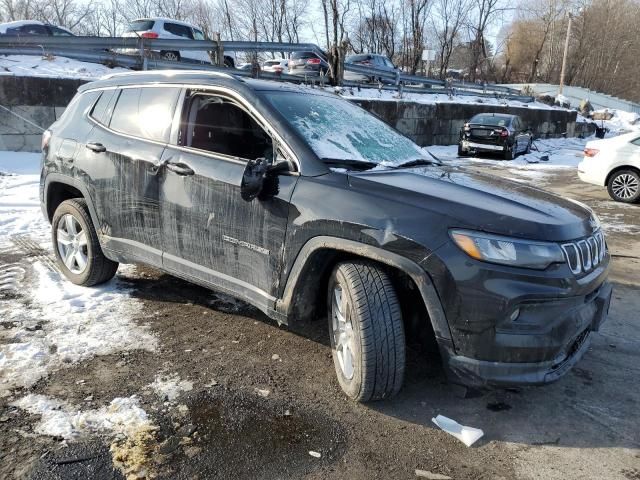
column 564, row 55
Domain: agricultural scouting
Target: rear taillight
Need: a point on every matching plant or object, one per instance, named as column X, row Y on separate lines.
column 278, row 68
column 313, row 61
column 149, row 35
column 591, row 152
column 46, row 137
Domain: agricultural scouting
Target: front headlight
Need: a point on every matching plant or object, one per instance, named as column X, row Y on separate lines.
column 507, row 251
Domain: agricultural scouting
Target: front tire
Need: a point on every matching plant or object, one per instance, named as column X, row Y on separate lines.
column 461, row 152
column 76, row 245
column 366, row 330
column 624, row 186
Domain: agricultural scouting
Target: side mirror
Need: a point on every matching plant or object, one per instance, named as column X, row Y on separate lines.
column 253, row 178
column 255, row 175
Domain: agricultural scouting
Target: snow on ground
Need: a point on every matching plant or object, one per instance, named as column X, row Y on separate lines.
column 20, row 199
column 57, row 67
column 562, row 153
column 621, row 122
column 60, row 419
column 433, row 98
column 127, row 426
column 56, row 323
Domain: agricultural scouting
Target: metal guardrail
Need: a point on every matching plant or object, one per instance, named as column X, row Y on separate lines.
column 109, row 50
column 576, row 94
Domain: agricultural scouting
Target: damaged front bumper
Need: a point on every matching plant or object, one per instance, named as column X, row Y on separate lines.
column 476, row 373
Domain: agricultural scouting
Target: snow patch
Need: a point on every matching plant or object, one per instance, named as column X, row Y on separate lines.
column 20, row 211
column 561, row 153
column 56, row 67
column 74, row 323
column 434, row 98
column 133, row 434
column 60, row 419
column 170, row 387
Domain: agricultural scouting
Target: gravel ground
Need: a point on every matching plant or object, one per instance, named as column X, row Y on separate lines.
column 264, row 397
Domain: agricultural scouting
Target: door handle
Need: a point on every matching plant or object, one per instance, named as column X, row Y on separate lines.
column 96, row 147
column 180, row 168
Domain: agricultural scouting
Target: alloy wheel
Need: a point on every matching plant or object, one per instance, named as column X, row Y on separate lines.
column 625, row 186
column 72, row 244
column 342, row 331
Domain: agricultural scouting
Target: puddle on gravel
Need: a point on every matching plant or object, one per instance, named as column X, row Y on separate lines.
column 252, row 437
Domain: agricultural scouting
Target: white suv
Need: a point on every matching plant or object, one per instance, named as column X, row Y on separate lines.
column 614, row 163
column 173, row 29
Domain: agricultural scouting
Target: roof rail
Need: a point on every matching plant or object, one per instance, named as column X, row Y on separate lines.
column 171, row 72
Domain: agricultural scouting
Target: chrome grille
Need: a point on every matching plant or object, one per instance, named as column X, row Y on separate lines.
column 586, row 254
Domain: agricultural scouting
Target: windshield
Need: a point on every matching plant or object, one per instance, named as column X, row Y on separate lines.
column 493, row 120
column 337, row 129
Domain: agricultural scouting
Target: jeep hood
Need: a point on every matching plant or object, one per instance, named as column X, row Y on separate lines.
column 481, row 202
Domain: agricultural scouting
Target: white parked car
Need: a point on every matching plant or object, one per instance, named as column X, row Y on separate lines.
column 173, row 29
column 276, row 65
column 615, row 164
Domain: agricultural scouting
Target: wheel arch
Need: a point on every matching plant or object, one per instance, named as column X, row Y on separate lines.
column 316, row 260
column 617, row 169
column 58, row 188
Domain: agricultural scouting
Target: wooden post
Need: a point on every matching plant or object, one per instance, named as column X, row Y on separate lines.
column 219, row 50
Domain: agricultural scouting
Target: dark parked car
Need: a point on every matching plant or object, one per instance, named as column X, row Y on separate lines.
column 308, row 207
column 28, row 28
column 495, row 133
column 379, row 62
column 309, row 64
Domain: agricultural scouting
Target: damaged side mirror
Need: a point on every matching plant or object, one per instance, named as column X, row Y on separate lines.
column 256, row 176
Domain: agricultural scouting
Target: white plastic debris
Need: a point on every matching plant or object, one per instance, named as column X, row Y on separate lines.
column 315, row 454
column 467, row 435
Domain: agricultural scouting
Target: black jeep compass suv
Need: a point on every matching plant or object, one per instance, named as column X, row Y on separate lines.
column 306, row 206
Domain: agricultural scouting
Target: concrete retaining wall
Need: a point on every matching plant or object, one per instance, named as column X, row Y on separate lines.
column 34, row 103
column 440, row 124
column 42, row 100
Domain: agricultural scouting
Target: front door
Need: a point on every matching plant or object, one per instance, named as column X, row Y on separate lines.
column 210, row 233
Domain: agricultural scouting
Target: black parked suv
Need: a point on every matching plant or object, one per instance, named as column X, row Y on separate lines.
column 495, row 133
column 306, row 206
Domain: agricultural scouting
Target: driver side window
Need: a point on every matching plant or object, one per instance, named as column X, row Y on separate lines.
column 218, row 125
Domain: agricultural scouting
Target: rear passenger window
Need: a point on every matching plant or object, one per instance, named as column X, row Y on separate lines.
column 145, row 112
column 179, row 30
column 102, row 109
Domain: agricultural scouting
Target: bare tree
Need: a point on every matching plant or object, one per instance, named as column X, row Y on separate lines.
column 449, row 19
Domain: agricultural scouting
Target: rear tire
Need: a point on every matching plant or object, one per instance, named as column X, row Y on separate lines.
column 366, row 330
column 170, row 56
column 509, row 152
column 528, row 150
column 624, row 186
column 76, row 245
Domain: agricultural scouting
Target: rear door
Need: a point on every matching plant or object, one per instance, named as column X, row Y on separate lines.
column 121, row 157
column 210, row 233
